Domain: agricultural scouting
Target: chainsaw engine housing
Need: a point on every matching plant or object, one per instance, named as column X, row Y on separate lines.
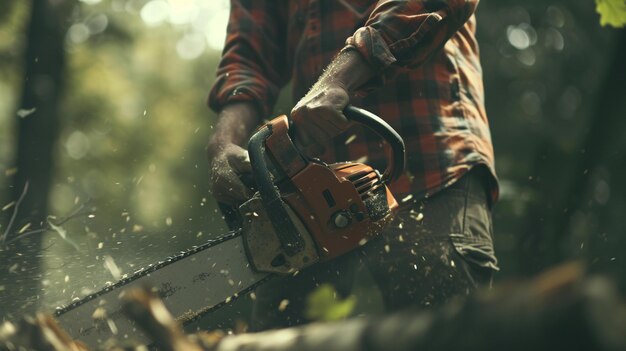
column 308, row 211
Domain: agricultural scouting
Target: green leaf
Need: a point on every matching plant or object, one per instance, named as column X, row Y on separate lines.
column 612, row 12
column 323, row 304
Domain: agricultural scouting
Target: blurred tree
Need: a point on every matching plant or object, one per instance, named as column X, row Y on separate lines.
column 37, row 129
column 38, row 122
column 134, row 126
column 557, row 226
column 545, row 64
column 598, row 185
column 5, row 10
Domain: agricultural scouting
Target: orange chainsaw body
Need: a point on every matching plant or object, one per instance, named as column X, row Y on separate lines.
column 329, row 199
column 333, row 207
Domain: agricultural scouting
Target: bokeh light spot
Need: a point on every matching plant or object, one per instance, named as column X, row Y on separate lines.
column 155, row 12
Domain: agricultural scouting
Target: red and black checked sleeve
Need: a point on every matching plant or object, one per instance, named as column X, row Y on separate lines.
column 253, row 65
column 408, row 32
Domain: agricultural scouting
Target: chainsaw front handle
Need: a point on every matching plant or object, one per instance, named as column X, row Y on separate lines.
column 290, row 238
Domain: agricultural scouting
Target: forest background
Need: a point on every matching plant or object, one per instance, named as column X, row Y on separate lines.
column 103, row 106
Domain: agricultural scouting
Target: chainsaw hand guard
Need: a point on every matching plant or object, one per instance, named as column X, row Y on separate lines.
column 306, row 211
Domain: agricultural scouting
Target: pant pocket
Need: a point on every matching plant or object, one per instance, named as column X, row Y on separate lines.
column 477, row 253
column 474, row 240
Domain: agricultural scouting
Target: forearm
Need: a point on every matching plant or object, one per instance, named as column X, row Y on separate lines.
column 407, row 33
column 235, row 123
column 319, row 113
column 348, row 70
column 254, row 63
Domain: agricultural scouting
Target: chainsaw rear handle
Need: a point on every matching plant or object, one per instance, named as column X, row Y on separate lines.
column 397, row 155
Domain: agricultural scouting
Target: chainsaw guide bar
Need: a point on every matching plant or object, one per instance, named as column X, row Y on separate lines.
column 200, row 282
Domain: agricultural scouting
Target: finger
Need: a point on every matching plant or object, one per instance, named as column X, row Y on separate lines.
column 230, row 190
column 319, row 141
column 317, row 149
column 340, row 121
column 312, row 124
column 248, row 180
column 333, row 123
column 240, row 161
column 318, row 135
column 226, row 185
column 338, row 100
column 301, row 124
column 312, row 149
column 303, row 137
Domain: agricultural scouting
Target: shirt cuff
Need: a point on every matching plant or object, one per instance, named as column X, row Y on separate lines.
column 242, row 88
column 369, row 42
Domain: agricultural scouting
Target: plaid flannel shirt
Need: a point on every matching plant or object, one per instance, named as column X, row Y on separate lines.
column 429, row 86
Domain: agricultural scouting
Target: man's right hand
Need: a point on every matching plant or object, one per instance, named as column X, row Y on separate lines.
column 229, row 164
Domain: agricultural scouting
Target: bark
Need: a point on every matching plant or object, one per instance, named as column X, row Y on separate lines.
column 560, row 310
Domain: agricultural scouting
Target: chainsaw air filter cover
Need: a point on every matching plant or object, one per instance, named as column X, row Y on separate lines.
column 307, row 211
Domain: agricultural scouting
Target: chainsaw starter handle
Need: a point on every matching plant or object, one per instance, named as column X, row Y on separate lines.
column 397, row 158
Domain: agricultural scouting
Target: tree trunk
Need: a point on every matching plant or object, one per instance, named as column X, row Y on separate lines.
column 549, row 220
column 604, row 161
column 37, row 129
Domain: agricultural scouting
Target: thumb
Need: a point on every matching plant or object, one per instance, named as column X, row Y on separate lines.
column 240, row 162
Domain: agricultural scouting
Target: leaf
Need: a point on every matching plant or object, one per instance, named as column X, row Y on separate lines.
column 323, row 304
column 612, row 12
column 62, row 233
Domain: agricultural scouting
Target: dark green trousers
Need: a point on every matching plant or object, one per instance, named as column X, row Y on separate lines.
column 435, row 249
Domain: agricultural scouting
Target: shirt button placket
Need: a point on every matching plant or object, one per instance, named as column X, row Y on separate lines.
column 314, row 36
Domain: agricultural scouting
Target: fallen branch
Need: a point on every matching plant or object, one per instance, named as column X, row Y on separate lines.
column 49, row 225
column 556, row 311
column 14, row 215
column 40, row 333
column 149, row 312
column 559, row 310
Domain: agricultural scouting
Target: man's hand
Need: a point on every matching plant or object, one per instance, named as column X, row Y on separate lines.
column 318, row 116
column 229, row 161
column 229, row 166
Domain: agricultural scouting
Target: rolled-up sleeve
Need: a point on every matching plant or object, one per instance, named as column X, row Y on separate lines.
column 253, row 66
column 408, row 32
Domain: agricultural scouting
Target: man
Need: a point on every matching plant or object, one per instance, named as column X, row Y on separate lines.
column 415, row 63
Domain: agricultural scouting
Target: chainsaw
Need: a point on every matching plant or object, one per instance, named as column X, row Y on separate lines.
column 304, row 211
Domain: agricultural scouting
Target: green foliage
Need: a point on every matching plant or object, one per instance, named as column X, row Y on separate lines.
column 612, row 12
column 323, row 304
column 131, row 143
column 135, row 125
